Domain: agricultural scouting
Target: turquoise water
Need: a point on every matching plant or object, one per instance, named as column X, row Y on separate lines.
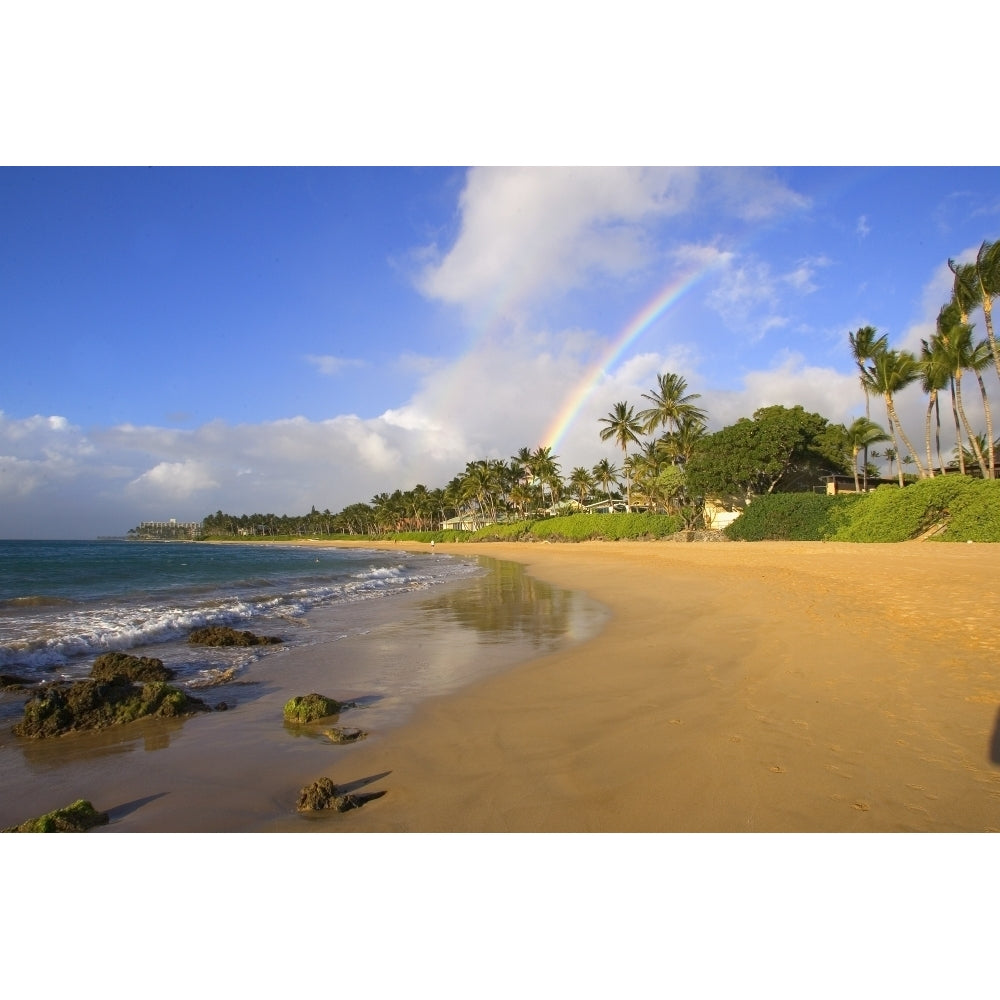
column 64, row 603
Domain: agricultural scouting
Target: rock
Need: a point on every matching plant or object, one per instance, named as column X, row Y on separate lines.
column 12, row 681
column 131, row 668
column 76, row 818
column 310, row 707
column 92, row 704
column 215, row 679
column 323, row 794
column 222, row 635
column 339, row 735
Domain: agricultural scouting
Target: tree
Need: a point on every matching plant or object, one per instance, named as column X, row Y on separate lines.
column 988, row 282
column 955, row 337
column 670, row 404
column 862, row 433
column 935, row 375
column 624, row 428
column 581, row 481
column 606, row 473
column 866, row 343
column 779, row 450
column 889, row 373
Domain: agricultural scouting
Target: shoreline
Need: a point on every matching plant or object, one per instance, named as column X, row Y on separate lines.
column 780, row 687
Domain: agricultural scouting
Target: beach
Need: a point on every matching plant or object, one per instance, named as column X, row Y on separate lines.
column 727, row 687
column 769, row 687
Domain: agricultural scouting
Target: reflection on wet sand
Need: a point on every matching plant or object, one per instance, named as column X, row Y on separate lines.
column 146, row 734
column 506, row 603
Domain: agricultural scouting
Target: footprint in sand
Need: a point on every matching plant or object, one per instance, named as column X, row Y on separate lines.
column 860, row 806
column 777, row 769
column 676, row 722
column 735, row 739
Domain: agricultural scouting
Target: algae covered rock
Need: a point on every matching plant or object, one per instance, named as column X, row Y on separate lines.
column 340, row 735
column 310, row 707
column 75, row 818
column 109, row 666
column 93, row 704
column 222, row 635
column 324, row 794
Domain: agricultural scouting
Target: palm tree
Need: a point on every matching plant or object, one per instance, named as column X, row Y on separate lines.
column 606, row 473
column 623, row 427
column 889, row 373
column 860, row 435
column 545, row 470
column 679, row 445
column 979, row 359
column 935, row 375
column 670, row 404
column 988, row 280
column 979, row 284
column 955, row 335
column 866, row 342
column 582, row 481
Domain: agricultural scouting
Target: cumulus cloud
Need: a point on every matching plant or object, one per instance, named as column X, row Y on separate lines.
column 175, row 480
column 526, row 233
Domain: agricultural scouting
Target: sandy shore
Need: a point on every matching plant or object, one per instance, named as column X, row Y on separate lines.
column 732, row 687
column 737, row 687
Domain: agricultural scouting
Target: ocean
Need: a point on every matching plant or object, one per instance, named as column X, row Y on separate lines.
column 381, row 630
column 62, row 604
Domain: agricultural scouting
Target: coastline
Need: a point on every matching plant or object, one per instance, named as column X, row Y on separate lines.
column 779, row 687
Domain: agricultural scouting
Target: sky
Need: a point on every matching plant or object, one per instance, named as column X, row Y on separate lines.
column 181, row 340
column 238, row 273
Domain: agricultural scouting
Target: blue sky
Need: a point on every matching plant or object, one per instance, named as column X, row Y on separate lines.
column 182, row 340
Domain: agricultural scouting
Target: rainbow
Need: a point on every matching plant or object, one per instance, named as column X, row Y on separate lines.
column 641, row 322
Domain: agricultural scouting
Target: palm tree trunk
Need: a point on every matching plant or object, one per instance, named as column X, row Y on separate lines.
column 989, row 425
column 958, row 430
column 931, row 400
column 968, row 427
column 891, row 409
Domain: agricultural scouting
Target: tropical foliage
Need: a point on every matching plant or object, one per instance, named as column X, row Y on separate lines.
column 670, row 462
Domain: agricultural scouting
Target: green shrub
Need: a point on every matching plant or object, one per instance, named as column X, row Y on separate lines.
column 891, row 514
column 612, row 527
column 789, row 517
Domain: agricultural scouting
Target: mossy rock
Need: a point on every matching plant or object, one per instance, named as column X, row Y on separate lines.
column 92, row 704
column 76, row 818
column 324, row 794
column 13, row 682
column 340, row 735
column 110, row 666
column 222, row 635
column 310, row 707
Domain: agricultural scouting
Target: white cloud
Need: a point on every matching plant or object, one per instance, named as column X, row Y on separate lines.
column 526, row 233
column 862, row 229
column 327, row 364
column 175, row 480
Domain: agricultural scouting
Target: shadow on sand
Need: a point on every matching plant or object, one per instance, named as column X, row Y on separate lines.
column 995, row 740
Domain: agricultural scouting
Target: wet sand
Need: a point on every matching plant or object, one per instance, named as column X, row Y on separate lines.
column 737, row 687
column 733, row 687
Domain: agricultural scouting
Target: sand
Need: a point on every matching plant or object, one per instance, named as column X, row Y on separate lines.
column 736, row 687
column 731, row 687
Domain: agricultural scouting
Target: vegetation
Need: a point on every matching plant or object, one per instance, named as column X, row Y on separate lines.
column 964, row 509
column 310, row 707
column 788, row 517
column 93, row 704
column 671, row 464
column 76, row 818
